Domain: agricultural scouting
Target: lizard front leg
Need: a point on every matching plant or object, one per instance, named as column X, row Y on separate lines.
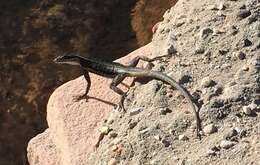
column 85, row 95
column 117, row 80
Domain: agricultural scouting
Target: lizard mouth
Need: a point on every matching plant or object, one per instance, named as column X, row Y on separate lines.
column 57, row 59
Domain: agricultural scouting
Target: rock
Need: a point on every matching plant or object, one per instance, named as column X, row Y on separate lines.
column 247, row 42
column 234, row 30
column 252, row 19
column 253, row 106
column 135, row 111
column 164, row 111
column 166, row 142
column 183, row 137
column 157, row 137
column 211, row 152
column 132, row 125
column 185, row 78
column 205, row 32
column 105, row 130
column 226, row 144
column 240, row 55
column 247, row 110
column 231, row 134
column 221, row 6
column 40, row 145
column 209, row 129
column 233, row 93
column 112, row 134
column 73, row 125
column 112, row 161
column 245, row 68
column 223, row 51
column 171, row 50
column 199, row 50
column 207, row 82
column 114, row 148
column 243, row 14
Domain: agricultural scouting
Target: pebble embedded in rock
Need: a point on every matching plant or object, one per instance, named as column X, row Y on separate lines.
column 132, row 125
column 240, row 55
column 157, row 137
column 112, row 161
column 183, row 137
column 205, row 32
column 199, row 50
column 223, row 51
column 114, row 148
column 221, row 6
column 135, row 111
column 226, row 144
column 211, row 152
column 247, row 110
column 209, row 129
column 207, row 82
column 247, row 42
column 112, row 134
column 185, row 79
column 243, row 14
column 253, row 106
column 104, row 130
column 230, row 134
column 164, row 111
column 166, row 142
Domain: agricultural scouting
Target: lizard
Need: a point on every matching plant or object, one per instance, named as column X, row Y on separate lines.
column 118, row 72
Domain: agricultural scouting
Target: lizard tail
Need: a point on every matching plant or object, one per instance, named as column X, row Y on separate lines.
column 168, row 80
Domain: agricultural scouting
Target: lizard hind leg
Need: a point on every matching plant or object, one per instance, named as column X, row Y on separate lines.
column 117, row 80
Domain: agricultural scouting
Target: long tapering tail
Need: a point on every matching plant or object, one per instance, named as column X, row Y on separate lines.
column 166, row 79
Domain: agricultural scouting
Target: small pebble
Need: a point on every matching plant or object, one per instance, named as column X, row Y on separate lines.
column 247, row 42
column 243, row 14
column 207, row 82
column 164, row 111
column 253, row 106
column 226, row 144
column 247, row 110
column 132, row 125
column 166, row 142
column 112, row 161
column 135, row 111
column 245, row 68
column 211, row 152
column 199, row 50
column 114, row 148
column 104, row 130
column 240, row 55
column 183, row 137
column 221, row 6
column 157, row 137
column 209, row 129
column 112, row 134
column 223, row 51
column 230, row 134
column 205, row 32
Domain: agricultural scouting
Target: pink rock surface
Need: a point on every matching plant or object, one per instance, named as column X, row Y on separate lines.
column 73, row 126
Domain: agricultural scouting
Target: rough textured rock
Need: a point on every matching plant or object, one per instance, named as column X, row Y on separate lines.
column 73, row 126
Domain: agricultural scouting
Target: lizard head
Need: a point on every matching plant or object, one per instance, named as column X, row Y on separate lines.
column 67, row 59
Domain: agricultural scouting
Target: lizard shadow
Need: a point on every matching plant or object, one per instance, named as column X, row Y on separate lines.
column 104, row 101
